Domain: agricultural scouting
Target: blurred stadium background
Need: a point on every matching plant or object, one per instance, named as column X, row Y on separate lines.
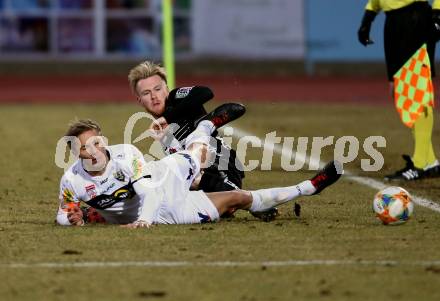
column 298, row 67
column 276, row 39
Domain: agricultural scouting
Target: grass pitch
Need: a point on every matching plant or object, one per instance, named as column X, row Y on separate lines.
column 333, row 247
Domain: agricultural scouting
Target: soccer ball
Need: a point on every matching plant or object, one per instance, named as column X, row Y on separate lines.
column 393, row 205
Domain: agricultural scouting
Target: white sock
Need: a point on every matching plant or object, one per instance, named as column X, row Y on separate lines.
column 264, row 199
column 202, row 134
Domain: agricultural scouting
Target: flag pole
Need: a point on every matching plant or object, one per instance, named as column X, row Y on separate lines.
column 168, row 42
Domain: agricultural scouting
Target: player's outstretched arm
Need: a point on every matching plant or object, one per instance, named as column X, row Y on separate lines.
column 150, row 203
column 144, row 188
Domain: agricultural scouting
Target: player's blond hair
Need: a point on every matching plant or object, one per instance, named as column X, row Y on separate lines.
column 145, row 70
column 79, row 126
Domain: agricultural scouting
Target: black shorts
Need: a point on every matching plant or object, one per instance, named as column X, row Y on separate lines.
column 223, row 176
column 406, row 30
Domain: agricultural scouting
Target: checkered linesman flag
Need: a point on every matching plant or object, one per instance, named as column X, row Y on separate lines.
column 413, row 90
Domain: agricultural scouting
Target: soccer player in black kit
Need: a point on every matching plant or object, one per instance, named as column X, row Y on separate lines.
column 184, row 107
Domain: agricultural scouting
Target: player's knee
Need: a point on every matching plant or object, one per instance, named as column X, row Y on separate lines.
column 241, row 198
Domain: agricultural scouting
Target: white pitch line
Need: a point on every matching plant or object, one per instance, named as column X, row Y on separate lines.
column 366, row 181
column 174, row 264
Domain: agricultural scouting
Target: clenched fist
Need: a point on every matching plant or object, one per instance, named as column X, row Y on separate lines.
column 75, row 216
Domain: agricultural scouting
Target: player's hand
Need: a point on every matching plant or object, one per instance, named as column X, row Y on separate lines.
column 158, row 127
column 364, row 36
column 364, row 29
column 75, row 216
column 159, row 124
column 137, row 224
column 436, row 24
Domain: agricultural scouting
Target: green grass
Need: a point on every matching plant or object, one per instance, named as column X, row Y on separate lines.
column 336, row 225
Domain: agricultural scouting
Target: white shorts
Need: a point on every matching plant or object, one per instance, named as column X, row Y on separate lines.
column 179, row 205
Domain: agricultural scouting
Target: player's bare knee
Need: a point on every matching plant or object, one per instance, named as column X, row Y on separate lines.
column 241, row 198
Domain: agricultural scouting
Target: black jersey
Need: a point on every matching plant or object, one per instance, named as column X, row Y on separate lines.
column 184, row 107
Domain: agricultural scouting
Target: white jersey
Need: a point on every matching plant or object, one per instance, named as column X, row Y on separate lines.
column 131, row 189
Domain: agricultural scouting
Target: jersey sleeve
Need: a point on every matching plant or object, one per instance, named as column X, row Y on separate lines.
column 67, row 199
column 137, row 164
column 142, row 187
column 436, row 4
column 150, row 203
column 183, row 101
column 373, row 5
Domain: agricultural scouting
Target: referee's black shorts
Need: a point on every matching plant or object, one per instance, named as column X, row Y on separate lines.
column 406, row 30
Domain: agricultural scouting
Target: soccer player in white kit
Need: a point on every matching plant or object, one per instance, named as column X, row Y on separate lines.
column 124, row 189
